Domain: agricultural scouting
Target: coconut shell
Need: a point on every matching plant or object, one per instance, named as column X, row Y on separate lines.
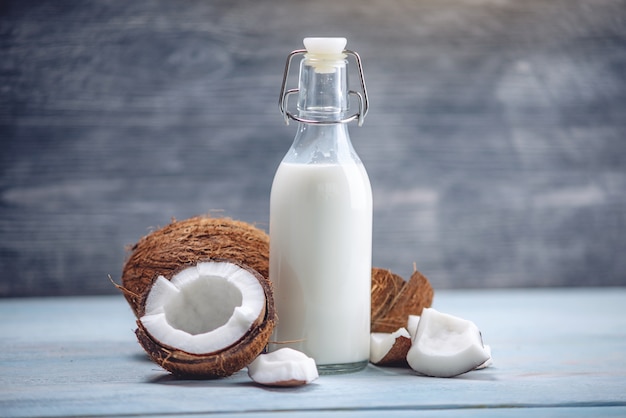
column 385, row 288
column 219, row 364
column 396, row 356
column 184, row 243
column 415, row 295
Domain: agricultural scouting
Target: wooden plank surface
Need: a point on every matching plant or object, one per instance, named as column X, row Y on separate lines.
column 495, row 141
column 556, row 353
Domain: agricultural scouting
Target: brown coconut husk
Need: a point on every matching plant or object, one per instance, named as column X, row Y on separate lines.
column 415, row 295
column 219, row 364
column 385, row 288
column 184, row 243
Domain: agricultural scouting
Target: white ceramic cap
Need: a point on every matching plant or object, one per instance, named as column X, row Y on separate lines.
column 325, row 46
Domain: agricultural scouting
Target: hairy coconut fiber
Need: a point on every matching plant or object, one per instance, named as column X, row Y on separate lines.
column 393, row 301
column 181, row 244
column 221, row 363
column 385, row 287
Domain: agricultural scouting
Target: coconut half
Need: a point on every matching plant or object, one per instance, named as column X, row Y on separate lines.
column 201, row 293
column 210, row 320
column 204, row 308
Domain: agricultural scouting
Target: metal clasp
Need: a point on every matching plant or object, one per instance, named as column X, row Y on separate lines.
column 284, row 94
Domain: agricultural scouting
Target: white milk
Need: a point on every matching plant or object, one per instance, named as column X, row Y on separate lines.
column 320, row 260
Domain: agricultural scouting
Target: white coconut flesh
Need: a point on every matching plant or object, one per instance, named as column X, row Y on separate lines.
column 204, row 308
column 489, row 361
column 445, row 345
column 283, row 367
column 382, row 342
column 411, row 325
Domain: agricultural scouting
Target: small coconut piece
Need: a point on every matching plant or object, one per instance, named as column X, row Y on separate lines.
column 390, row 349
column 445, row 345
column 416, row 294
column 283, row 367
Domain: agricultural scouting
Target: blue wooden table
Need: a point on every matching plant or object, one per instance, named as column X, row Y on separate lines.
column 557, row 352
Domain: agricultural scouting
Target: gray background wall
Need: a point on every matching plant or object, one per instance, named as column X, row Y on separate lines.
column 495, row 143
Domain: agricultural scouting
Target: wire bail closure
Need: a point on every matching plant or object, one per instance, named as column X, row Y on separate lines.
column 284, row 94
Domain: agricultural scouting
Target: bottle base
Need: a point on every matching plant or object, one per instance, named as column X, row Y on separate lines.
column 326, row 369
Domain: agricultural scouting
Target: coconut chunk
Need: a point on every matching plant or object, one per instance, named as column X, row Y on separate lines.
column 284, row 367
column 204, row 308
column 445, row 345
column 389, row 349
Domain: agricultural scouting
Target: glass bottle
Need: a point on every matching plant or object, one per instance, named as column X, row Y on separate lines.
column 321, row 219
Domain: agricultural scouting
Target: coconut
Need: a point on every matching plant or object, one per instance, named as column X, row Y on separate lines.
column 385, row 287
column 201, row 294
column 412, row 296
column 446, row 346
column 284, row 367
column 390, row 349
column 183, row 243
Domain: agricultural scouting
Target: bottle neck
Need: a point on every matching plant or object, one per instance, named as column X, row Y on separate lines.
column 323, row 97
column 323, row 88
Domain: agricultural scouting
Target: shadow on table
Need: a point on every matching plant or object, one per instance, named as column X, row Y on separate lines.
column 231, row 381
